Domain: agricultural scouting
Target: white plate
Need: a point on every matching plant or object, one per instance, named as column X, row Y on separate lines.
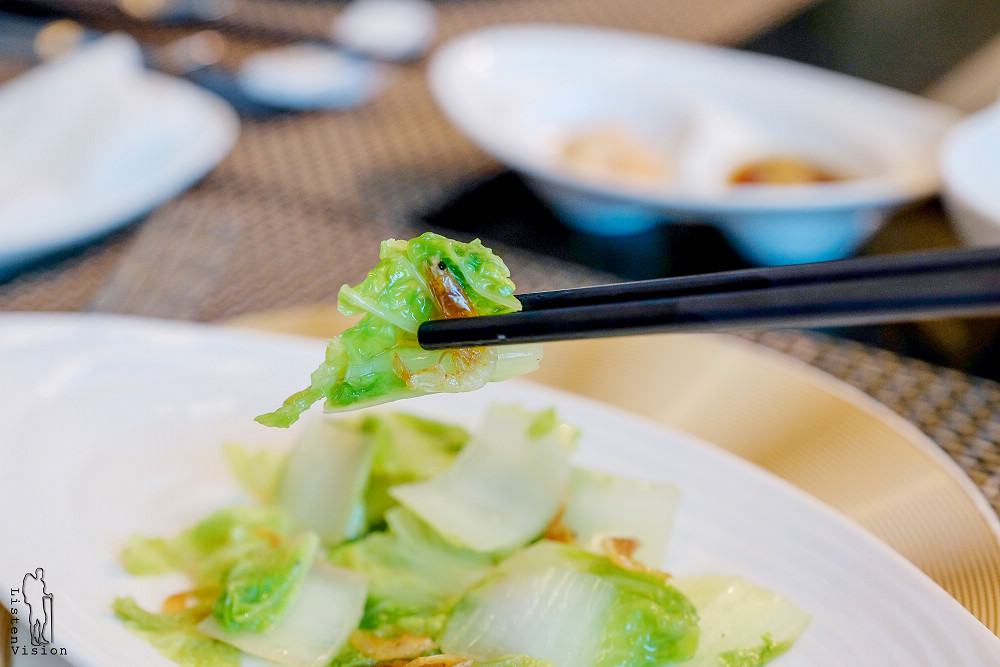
column 520, row 92
column 970, row 173
column 94, row 141
column 111, row 426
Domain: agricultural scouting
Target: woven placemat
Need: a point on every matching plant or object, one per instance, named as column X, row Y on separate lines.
column 300, row 205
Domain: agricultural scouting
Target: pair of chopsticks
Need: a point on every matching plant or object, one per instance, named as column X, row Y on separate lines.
column 868, row 290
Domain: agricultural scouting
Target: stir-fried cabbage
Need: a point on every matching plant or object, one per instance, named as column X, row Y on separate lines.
column 415, row 575
column 379, row 360
column 323, row 482
column 505, row 486
column 601, row 505
column 741, row 624
column 388, row 539
column 577, row 609
column 314, row 625
column 256, row 591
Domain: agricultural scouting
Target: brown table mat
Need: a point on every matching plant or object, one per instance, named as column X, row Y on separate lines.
column 299, row 206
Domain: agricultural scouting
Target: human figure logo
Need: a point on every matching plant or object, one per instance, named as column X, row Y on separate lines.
column 35, row 599
column 39, row 603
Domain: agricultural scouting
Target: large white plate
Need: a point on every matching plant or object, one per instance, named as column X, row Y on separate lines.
column 110, row 426
column 94, row 141
column 819, row 433
column 520, row 92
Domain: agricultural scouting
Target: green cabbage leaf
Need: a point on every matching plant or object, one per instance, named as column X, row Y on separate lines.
column 505, row 486
column 415, row 576
column 379, row 360
column 594, row 613
column 742, row 624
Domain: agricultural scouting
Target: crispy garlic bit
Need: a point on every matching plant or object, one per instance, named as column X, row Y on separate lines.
column 386, row 649
column 404, row 651
column 558, row 531
column 620, row 550
column 440, row 660
column 179, row 602
column 273, row 538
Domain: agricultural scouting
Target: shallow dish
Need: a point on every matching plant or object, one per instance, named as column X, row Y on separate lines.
column 970, row 173
column 694, row 114
column 115, row 426
column 93, row 142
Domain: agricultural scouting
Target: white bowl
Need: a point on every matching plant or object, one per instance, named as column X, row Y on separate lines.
column 970, row 170
column 524, row 92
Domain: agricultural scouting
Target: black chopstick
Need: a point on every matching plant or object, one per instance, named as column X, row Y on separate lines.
column 887, row 288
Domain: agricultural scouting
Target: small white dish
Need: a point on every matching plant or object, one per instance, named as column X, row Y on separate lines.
column 525, row 93
column 160, row 398
column 396, row 30
column 309, row 77
column 970, row 171
column 93, row 141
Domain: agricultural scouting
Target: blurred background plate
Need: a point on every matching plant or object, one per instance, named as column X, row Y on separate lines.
column 620, row 131
column 819, row 433
column 970, row 170
column 92, row 141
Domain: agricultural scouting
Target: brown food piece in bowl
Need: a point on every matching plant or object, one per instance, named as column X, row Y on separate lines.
column 781, row 171
column 612, row 151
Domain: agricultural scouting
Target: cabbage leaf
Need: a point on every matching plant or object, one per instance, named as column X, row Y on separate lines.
column 175, row 634
column 379, row 360
column 504, row 488
column 256, row 591
column 314, row 626
column 406, row 449
column 414, row 575
column 324, row 479
column 561, row 603
column 742, row 624
column 602, row 505
column 207, row 550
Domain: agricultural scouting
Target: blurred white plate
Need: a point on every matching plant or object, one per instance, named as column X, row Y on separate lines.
column 111, row 426
column 93, row 141
column 970, row 170
column 522, row 92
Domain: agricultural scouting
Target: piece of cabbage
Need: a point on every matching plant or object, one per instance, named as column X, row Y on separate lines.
column 176, row 636
column 324, row 479
column 603, row 505
column 406, row 449
column 560, row 603
column 253, row 549
column 314, row 625
column 337, row 476
column 256, row 470
column 378, row 359
column 256, row 592
column 414, row 575
column 270, row 598
column 505, row 486
column 207, row 550
column 742, row 624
